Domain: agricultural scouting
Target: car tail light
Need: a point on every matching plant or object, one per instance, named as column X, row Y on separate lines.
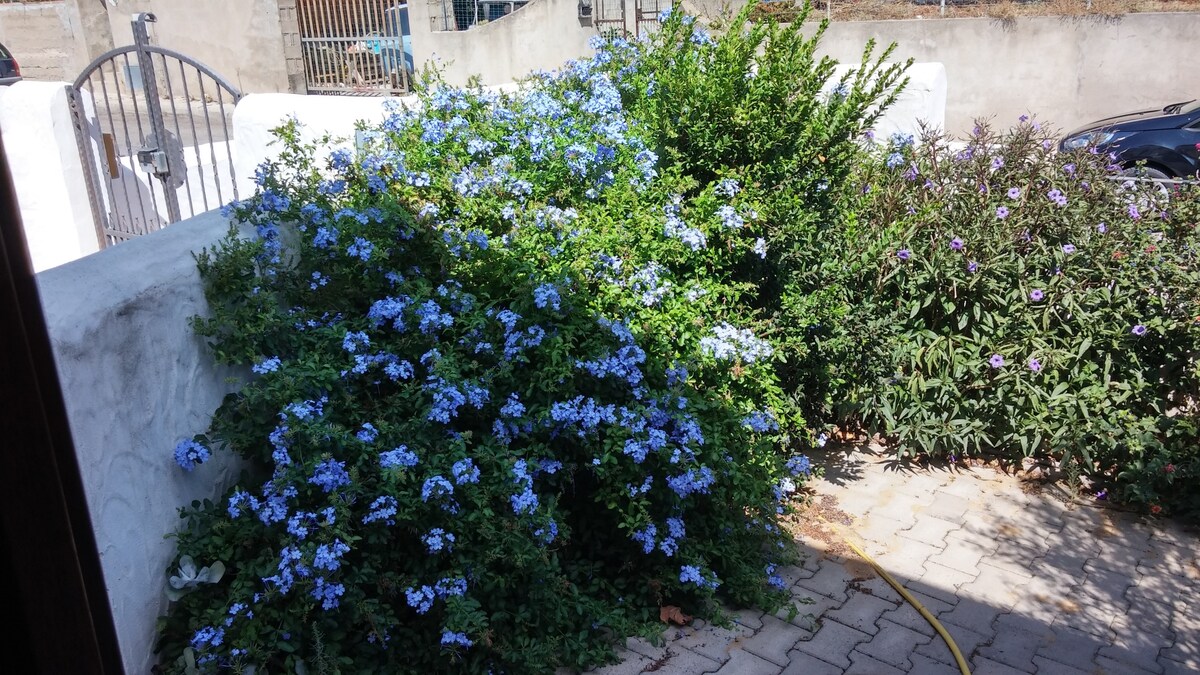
column 16, row 67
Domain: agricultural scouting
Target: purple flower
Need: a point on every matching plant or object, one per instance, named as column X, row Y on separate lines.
column 972, row 267
column 956, row 244
column 996, row 361
column 904, row 254
column 1057, row 197
column 1014, row 193
column 1133, row 212
column 1036, row 295
column 1139, row 330
column 997, row 162
column 1035, row 365
column 1001, row 212
column 1068, row 248
column 1102, row 228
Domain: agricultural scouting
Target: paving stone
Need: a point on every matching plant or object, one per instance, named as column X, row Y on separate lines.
column 830, row 581
column 630, row 664
column 967, row 641
column 1000, row 588
column 748, row 618
column 809, row 614
column 1172, row 667
column 1107, row 666
column 713, row 642
column 1186, row 649
column 923, row 665
column 684, row 662
column 1047, row 667
column 961, row 554
column 983, row 541
column 800, row 663
column 943, row 582
column 920, row 485
column 906, row 615
column 931, row 530
column 985, row 666
column 833, row 642
column 1136, row 647
column 745, row 663
column 861, row 612
column 861, row 664
column 1012, row 645
column 774, row 640
column 642, row 646
column 1070, row 646
column 893, row 644
column 906, row 560
column 948, row 506
column 977, row 616
column 882, row 529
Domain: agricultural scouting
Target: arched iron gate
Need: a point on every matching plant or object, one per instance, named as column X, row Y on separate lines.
column 154, row 132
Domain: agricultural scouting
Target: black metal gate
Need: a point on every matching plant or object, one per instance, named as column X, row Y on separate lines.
column 154, row 132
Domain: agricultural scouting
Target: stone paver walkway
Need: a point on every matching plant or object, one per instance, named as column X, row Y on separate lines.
column 1023, row 581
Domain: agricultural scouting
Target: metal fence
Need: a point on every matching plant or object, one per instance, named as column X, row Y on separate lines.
column 356, row 46
column 447, row 15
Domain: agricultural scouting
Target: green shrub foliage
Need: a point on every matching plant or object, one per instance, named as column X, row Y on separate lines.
column 1006, row 299
column 514, row 384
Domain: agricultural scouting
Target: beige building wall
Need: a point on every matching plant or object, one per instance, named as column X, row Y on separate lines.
column 44, row 38
column 242, row 40
column 540, row 36
column 1067, row 71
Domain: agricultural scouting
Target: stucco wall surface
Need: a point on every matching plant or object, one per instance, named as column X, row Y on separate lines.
column 1067, row 71
column 256, row 115
column 540, row 36
column 47, row 172
column 136, row 380
column 41, row 37
column 240, row 39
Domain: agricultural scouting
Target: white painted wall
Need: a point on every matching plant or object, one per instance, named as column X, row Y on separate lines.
column 257, row 114
column 136, row 380
column 39, row 140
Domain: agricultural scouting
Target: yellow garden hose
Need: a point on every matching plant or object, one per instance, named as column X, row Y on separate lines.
column 958, row 657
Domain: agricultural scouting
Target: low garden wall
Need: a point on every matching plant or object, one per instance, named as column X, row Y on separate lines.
column 136, row 380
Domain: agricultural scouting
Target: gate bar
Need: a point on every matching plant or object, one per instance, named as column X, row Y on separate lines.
column 154, row 108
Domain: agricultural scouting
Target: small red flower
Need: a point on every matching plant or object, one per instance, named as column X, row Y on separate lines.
column 1156, row 509
column 1117, row 255
column 1151, row 248
column 1170, row 468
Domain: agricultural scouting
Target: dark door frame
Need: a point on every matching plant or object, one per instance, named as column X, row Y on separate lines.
column 51, row 580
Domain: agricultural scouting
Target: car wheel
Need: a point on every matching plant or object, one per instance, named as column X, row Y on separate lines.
column 1146, row 172
column 1149, row 173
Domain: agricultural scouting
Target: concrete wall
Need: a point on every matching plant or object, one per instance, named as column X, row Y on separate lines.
column 540, row 36
column 48, row 174
column 42, row 37
column 1068, row 71
column 240, row 39
column 136, row 381
column 257, row 114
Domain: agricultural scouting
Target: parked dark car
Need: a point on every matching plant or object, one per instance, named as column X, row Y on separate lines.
column 10, row 71
column 1168, row 140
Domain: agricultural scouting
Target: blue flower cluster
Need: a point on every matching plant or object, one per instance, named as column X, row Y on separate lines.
column 189, row 454
column 728, row 343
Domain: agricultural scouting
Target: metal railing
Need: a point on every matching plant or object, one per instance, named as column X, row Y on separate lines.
column 451, row 15
column 361, row 47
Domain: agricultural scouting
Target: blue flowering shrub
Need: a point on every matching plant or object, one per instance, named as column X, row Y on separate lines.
column 1011, row 300
column 514, row 383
